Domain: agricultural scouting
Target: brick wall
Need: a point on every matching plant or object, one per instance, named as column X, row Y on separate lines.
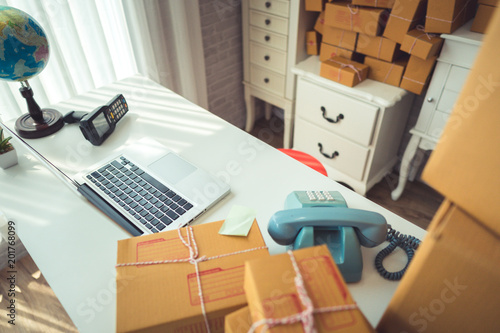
column 222, row 45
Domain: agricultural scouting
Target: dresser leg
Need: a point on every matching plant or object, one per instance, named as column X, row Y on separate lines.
column 250, row 105
column 288, row 119
column 408, row 155
column 268, row 109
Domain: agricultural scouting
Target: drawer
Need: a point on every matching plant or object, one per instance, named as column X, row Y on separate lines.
column 275, row 7
column 438, row 122
column 268, row 80
column 268, row 57
column 269, row 22
column 345, row 116
column 268, row 38
column 343, row 155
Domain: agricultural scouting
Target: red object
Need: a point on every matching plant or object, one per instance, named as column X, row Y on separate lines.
column 305, row 159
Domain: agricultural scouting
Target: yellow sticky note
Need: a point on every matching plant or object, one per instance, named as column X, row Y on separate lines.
column 238, row 222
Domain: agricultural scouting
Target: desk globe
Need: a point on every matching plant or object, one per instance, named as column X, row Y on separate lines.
column 24, row 53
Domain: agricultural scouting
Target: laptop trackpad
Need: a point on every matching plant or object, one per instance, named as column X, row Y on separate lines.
column 172, row 168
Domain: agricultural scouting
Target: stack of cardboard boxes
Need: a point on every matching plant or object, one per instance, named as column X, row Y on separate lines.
column 453, row 283
column 398, row 40
column 197, row 280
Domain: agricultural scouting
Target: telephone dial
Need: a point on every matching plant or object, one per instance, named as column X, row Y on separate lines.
column 322, row 217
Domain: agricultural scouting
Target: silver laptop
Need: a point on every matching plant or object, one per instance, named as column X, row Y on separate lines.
column 152, row 187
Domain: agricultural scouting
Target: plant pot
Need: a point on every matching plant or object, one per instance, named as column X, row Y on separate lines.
column 8, row 159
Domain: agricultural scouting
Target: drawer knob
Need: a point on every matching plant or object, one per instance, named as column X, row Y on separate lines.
column 266, row 58
column 267, row 38
column 268, row 4
column 267, row 21
column 430, row 99
column 332, row 156
column 330, row 120
column 266, row 80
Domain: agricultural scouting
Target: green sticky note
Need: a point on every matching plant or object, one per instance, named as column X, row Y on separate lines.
column 238, row 222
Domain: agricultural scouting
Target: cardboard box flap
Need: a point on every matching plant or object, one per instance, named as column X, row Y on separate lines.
column 465, row 165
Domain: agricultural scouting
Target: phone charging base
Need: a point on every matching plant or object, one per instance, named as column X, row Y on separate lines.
column 343, row 244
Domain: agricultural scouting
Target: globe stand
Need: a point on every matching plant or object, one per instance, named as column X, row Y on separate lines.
column 38, row 122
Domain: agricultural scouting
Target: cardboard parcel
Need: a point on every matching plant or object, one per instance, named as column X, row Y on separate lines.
column 275, row 291
column 344, row 71
column 446, row 16
column 405, row 15
column 365, row 20
column 452, row 284
column 328, row 51
column 421, row 44
column 386, row 72
column 165, row 297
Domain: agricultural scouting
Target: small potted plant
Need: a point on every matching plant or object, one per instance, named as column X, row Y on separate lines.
column 8, row 155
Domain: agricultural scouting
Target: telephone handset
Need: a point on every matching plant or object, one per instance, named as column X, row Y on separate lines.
column 322, row 217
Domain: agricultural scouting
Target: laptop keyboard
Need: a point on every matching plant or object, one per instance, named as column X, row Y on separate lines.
column 150, row 202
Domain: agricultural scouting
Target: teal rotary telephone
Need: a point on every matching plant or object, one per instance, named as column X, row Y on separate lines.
column 322, row 217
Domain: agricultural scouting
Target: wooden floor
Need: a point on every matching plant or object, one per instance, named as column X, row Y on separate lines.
column 39, row 310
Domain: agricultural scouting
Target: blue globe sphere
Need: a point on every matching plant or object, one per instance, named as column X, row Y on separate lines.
column 24, row 48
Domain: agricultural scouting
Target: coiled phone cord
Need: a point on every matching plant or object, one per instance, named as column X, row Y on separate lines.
column 408, row 243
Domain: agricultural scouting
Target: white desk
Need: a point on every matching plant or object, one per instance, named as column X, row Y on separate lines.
column 74, row 244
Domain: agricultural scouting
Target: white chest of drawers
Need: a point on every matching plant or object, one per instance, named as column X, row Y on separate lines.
column 273, row 42
column 354, row 132
column 453, row 66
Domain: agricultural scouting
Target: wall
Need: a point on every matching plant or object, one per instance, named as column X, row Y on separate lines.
column 222, row 45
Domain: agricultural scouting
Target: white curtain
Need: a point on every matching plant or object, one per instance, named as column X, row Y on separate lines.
column 96, row 42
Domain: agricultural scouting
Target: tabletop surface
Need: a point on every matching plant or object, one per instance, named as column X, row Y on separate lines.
column 75, row 245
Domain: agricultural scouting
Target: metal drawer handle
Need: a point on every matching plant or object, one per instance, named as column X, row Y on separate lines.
column 266, row 58
column 266, row 80
column 268, row 4
column 335, row 153
column 267, row 21
column 267, row 38
column 330, row 120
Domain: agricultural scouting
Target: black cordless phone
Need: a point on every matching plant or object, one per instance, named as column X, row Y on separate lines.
column 97, row 125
